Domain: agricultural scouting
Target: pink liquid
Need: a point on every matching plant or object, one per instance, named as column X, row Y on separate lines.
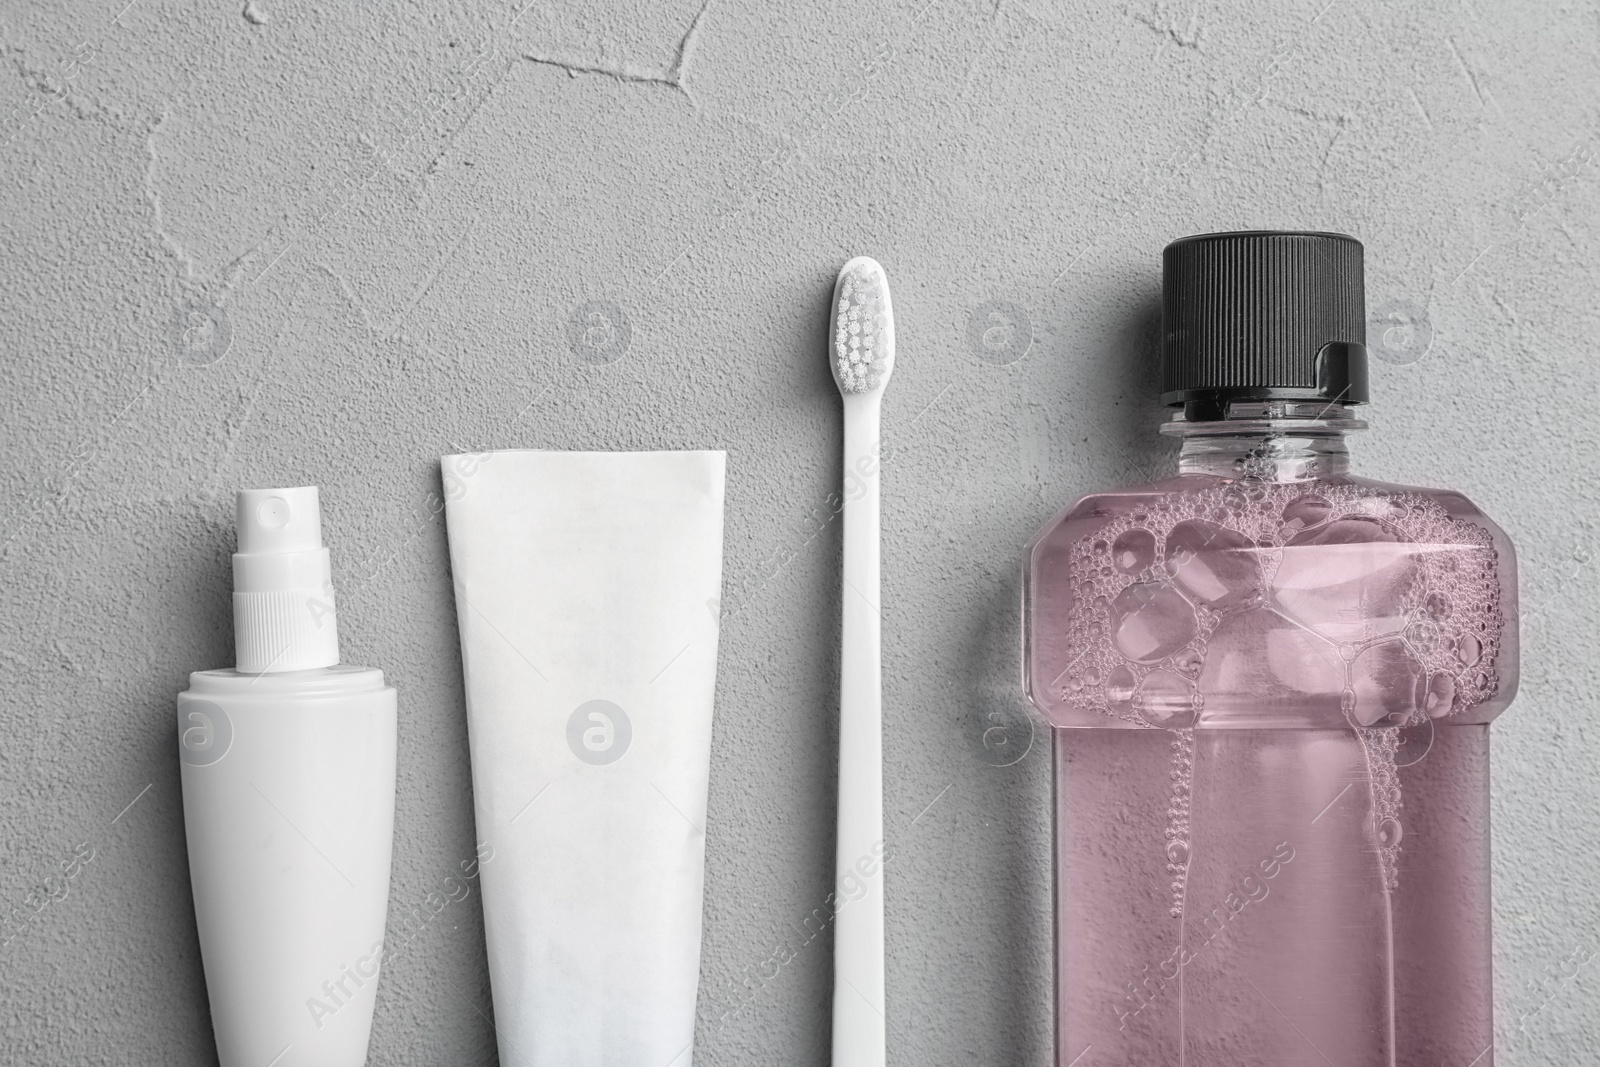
column 1272, row 702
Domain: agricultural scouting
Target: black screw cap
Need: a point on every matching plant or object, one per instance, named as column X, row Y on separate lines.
column 1262, row 315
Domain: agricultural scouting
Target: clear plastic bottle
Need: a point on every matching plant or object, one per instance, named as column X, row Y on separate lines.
column 1271, row 682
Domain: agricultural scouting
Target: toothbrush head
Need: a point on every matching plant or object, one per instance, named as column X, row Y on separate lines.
column 862, row 345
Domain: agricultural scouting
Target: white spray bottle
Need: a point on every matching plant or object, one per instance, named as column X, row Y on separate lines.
column 288, row 765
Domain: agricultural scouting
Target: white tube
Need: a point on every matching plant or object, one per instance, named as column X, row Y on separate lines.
column 288, row 777
column 587, row 593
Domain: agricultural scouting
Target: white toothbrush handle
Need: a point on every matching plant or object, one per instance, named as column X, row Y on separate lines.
column 858, row 996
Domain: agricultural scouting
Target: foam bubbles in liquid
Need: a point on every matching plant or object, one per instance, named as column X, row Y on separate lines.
column 1395, row 601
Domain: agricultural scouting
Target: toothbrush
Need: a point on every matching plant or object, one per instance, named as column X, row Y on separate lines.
column 862, row 355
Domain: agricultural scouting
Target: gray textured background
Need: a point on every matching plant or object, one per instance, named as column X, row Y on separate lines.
column 297, row 242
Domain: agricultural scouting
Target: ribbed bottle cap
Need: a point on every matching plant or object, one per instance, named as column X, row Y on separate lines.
column 1262, row 315
column 283, row 611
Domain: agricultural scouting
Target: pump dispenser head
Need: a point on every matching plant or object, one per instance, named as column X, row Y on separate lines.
column 283, row 613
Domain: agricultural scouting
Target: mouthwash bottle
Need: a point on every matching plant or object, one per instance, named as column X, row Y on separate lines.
column 1271, row 683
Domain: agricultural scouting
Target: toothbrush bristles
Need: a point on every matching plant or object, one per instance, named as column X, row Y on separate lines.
column 861, row 346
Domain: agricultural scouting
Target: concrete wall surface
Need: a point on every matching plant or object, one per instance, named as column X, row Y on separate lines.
column 281, row 243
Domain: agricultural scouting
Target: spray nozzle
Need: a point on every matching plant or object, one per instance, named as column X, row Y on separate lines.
column 283, row 614
column 279, row 520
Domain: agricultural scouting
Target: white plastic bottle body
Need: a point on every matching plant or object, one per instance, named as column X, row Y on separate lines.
column 288, row 802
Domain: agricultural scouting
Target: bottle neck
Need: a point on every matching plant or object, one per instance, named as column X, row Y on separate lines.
column 1267, row 440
